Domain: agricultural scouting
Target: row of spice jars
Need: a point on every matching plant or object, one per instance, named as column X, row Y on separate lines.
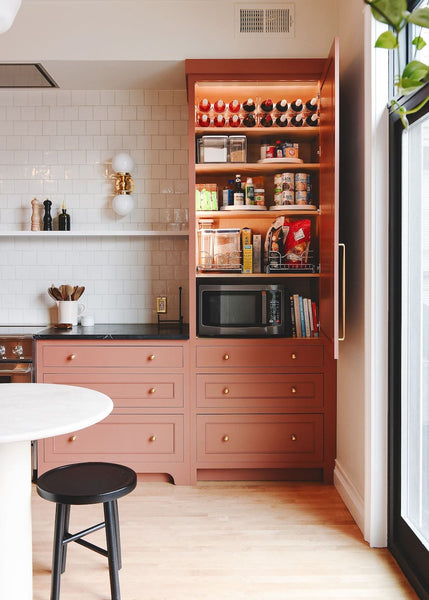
column 250, row 106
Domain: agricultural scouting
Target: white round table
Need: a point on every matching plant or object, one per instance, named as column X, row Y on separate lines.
column 32, row 411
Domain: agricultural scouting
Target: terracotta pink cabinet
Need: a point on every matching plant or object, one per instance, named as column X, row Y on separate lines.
column 147, row 382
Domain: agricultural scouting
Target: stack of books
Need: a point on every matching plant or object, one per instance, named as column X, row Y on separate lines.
column 304, row 317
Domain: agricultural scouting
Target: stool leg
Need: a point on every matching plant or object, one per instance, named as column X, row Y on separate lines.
column 118, row 537
column 66, row 530
column 112, row 549
column 60, row 515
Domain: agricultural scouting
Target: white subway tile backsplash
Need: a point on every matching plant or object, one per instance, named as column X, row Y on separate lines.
column 59, row 144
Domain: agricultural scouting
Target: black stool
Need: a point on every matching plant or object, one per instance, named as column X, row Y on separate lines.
column 86, row 483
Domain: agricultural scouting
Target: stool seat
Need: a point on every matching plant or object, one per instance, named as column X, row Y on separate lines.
column 86, row 483
column 80, row 484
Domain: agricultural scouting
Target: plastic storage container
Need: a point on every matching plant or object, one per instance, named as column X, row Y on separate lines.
column 213, row 149
column 237, row 148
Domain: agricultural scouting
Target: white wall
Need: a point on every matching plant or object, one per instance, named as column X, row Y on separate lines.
column 59, row 145
column 156, row 30
column 350, row 472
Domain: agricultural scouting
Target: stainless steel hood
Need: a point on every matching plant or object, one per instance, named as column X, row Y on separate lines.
column 28, row 75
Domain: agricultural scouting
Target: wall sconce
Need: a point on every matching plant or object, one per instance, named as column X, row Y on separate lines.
column 123, row 202
column 8, row 11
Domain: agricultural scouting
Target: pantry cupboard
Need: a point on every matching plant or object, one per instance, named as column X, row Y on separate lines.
column 265, row 407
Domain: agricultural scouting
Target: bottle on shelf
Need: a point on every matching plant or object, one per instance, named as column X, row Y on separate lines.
column 282, row 105
column 264, row 145
column 278, row 149
column 203, row 120
column 249, row 120
column 238, row 191
column 234, row 121
column 297, row 105
column 249, row 105
column 249, row 192
column 234, row 106
column 281, row 121
column 47, row 218
column 297, row 120
column 231, row 186
column 204, row 105
column 267, row 105
column 311, row 104
column 266, row 120
column 219, row 121
column 64, row 219
column 219, row 106
column 312, row 120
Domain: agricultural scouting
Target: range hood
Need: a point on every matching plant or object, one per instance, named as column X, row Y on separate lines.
column 28, row 75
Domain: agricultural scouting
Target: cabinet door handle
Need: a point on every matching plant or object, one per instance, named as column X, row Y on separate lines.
column 293, row 437
column 152, row 438
column 225, row 391
column 343, row 295
column 151, row 357
column 72, row 356
column 152, row 391
column 225, row 438
column 226, row 357
column 293, row 390
column 293, row 356
column 73, row 438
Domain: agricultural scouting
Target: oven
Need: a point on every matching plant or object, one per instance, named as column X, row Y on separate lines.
column 16, row 365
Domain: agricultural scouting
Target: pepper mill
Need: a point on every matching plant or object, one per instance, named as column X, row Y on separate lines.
column 47, row 219
column 36, row 218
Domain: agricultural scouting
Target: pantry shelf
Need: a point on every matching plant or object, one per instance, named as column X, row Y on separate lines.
column 253, row 168
column 298, row 133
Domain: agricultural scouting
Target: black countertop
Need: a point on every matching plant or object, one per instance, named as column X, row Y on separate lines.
column 117, row 331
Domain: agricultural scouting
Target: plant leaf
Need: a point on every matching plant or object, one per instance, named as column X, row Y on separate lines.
column 387, row 39
column 420, row 16
column 415, row 69
column 389, row 11
column 419, row 42
column 407, row 85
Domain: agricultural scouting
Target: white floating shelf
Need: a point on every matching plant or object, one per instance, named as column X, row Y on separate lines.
column 104, row 233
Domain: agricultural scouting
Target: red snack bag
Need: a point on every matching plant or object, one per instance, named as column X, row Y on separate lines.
column 297, row 243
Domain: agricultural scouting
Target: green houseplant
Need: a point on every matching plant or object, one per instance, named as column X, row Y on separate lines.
column 415, row 73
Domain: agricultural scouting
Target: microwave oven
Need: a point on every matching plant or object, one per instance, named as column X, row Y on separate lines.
column 243, row 310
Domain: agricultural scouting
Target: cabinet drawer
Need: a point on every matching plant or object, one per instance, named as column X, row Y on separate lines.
column 299, row 355
column 266, row 391
column 80, row 355
column 119, row 437
column 128, row 390
column 259, row 438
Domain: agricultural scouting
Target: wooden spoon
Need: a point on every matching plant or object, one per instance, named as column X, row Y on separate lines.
column 73, row 296
column 79, row 291
column 69, row 291
column 55, row 292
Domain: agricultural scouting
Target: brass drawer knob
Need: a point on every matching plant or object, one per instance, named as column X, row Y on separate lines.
column 152, row 438
column 226, row 357
column 152, row 391
column 152, row 357
column 293, row 437
column 73, row 438
column 225, row 438
column 72, row 356
column 293, row 356
column 225, row 391
column 293, row 390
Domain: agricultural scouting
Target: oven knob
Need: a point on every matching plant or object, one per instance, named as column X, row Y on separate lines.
column 3, row 351
column 18, row 351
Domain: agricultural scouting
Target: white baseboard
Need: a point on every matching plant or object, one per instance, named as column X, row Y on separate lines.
column 350, row 496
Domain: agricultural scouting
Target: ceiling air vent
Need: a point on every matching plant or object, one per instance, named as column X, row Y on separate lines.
column 277, row 19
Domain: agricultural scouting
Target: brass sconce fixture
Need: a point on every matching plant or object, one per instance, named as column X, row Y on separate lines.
column 123, row 202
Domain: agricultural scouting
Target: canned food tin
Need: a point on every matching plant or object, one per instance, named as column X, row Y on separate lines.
column 301, row 197
column 270, row 151
column 302, row 182
column 288, row 181
column 288, row 197
column 260, row 197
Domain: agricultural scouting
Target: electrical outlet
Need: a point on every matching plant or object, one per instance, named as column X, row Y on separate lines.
column 161, row 304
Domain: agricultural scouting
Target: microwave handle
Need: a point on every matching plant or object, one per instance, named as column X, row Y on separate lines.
column 264, row 308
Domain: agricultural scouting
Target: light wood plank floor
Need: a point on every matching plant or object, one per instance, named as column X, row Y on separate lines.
column 223, row 541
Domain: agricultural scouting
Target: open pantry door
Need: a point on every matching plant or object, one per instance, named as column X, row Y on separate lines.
column 329, row 192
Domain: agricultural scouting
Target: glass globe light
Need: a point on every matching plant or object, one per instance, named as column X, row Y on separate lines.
column 123, row 204
column 122, row 163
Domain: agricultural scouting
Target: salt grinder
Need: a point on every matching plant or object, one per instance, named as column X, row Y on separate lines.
column 47, row 219
column 36, row 217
